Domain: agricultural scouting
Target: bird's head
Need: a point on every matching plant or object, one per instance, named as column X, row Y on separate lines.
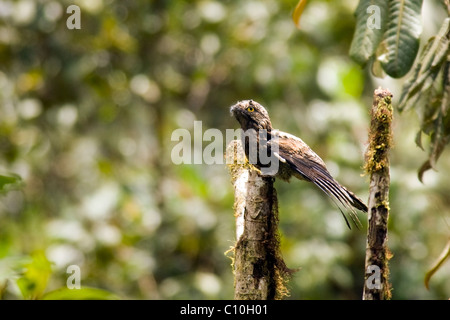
column 251, row 115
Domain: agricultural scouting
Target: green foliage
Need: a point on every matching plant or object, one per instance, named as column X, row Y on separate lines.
column 32, row 274
column 427, row 90
column 86, row 118
column 400, row 44
column 431, row 63
column 392, row 41
column 366, row 40
column 35, row 277
column 10, row 182
column 80, row 294
column 427, row 87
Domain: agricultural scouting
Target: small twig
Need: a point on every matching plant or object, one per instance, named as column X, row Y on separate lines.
column 445, row 254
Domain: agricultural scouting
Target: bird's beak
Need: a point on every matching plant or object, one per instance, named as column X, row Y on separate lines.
column 237, row 113
column 234, row 109
column 237, row 110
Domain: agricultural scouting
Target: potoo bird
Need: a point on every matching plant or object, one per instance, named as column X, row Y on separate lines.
column 295, row 157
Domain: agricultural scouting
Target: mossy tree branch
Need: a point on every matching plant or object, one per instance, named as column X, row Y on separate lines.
column 260, row 272
column 377, row 286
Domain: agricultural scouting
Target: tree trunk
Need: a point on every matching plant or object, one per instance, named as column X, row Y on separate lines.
column 260, row 273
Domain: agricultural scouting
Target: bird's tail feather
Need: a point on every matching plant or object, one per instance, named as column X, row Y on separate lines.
column 341, row 196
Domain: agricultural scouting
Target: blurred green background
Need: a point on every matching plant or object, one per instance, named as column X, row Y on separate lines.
column 86, row 118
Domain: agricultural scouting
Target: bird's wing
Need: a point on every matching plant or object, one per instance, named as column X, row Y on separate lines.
column 304, row 161
column 300, row 156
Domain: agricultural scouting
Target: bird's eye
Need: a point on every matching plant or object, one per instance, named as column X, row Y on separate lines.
column 250, row 109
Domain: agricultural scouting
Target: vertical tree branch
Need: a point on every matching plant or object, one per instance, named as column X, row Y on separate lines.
column 260, row 272
column 377, row 286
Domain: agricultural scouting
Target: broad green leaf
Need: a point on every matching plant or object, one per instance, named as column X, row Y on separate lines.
column 370, row 25
column 10, row 182
column 432, row 59
column 34, row 280
column 412, row 92
column 401, row 37
column 298, row 12
column 85, row 293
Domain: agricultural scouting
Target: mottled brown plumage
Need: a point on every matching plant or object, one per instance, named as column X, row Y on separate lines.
column 295, row 157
